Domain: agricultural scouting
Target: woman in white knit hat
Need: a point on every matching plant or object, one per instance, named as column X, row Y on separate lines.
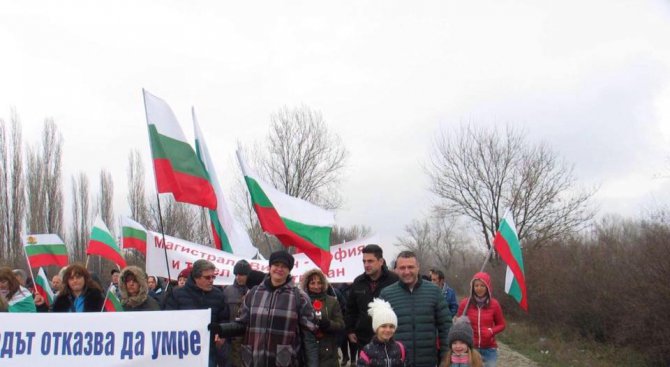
column 382, row 350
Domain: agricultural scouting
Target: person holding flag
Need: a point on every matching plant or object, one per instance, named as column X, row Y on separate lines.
column 486, row 317
column 79, row 293
column 18, row 298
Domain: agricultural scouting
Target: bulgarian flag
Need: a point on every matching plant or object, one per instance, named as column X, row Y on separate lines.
column 133, row 235
column 45, row 250
column 178, row 170
column 43, row 288
column 112, row 302
column 22, row 301
column 293, row 221
column 228, row 234
column 102, row 243
column 506, row 243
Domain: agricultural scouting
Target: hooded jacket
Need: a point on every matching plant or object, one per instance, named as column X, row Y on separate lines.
column 487, row 320
column 327, row 335
column 142, row 301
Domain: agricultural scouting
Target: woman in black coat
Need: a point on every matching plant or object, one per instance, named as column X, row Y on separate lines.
column 79, row 292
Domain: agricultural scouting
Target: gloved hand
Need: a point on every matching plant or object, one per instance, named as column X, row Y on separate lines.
column 215, row 328
column 324, row 324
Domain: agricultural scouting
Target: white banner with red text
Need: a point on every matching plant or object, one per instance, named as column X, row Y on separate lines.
column 347, row 261
column 100, row 339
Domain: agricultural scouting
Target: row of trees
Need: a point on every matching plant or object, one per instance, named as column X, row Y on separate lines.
column 299, row 156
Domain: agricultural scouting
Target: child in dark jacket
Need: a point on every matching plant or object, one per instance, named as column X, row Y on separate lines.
column 382, row 350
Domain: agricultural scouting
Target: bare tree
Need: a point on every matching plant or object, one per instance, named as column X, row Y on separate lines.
column 340, row 235
column 45, row 194
column 179, row 219
column 81, row 226
column 435, row 240
column 137, row 200
column 304, row 160
column 478, row 174
column 12, row 190
column 106, row 200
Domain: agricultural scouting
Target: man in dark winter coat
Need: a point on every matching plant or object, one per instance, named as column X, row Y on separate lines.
column 363, row 290
column 199, row 293
column 423, row 314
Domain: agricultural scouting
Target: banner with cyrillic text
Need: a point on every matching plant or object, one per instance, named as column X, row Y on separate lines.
column 100, row 339
column 347, row 261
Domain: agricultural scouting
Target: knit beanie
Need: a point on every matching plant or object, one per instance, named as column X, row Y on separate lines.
column 460, row 330
column 242, row 268
column 381, row 313
column 284, row 257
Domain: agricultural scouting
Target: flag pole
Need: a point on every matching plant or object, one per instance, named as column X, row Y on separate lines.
column 158, row 200
column 486, row 261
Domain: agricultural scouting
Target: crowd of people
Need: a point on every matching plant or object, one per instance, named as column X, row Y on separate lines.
column 385, row 317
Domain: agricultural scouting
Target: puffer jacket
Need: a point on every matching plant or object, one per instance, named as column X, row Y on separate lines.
column 423, row 316
column 382, row 354
column 142, row 301
column 279, row 323
column 356, row 318
column 326, row 337
column 486, row 321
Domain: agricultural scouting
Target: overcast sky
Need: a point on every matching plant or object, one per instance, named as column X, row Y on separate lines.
column 589, row 78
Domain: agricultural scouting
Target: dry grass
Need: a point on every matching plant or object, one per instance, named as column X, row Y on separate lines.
column 554, row 348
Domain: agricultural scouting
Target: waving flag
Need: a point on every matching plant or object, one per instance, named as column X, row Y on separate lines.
column 229, row 235
column 112, row 302
column 293, row 221
column 102, row 243
column 43, row 288
column 133, row 235
column 45, row 250
column 507, row 245
column 178, row 170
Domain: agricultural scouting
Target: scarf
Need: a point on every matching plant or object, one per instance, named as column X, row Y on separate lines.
column 481, row 301
column 462, row 359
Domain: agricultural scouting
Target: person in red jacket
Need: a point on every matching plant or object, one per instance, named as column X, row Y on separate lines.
column 486, row 317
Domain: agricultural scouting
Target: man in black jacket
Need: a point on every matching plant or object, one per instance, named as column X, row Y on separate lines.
column 199, row 293
column 363, row 290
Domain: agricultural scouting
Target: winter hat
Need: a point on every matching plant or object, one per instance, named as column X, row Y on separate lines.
column 282, row 256
column 460, row 330
column 381, row 313
column 184, row 273
column 242, row 268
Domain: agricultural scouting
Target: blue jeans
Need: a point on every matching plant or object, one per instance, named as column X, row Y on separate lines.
column 490, row 356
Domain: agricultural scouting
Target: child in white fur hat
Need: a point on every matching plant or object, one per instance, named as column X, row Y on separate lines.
column 382, row 350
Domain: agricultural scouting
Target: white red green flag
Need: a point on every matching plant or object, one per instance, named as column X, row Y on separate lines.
column 293, row 221
column 507, row 245
column 43, row 288
column 229, row 235
column 133, row 235
column 112, row 302
column 178, row 170
column 102, row 243
column 22, row 301
column 45, row 250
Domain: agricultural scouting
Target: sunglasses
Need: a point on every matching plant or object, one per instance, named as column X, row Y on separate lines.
column 208, row 277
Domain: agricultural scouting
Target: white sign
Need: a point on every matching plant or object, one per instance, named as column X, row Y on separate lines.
column 152, row 338
column 346, row 265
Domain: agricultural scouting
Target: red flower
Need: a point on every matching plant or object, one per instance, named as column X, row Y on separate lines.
column 317, row 305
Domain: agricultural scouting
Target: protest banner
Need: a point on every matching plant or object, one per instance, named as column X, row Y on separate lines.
column 105, row 339
column 347, row 261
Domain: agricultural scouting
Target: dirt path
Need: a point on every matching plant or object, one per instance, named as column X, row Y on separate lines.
column 509, row 358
